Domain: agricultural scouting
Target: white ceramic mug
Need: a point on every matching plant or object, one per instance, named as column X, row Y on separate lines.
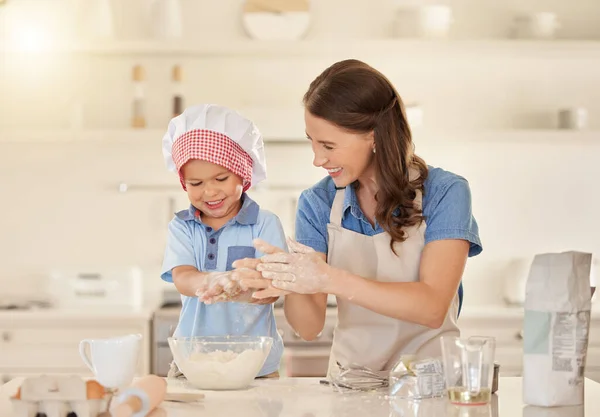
column 536, row 26
column 114, row 360
column 573, row 118
column 431, row 21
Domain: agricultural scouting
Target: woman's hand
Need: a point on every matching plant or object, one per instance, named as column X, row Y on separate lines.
column 250, row 279
column 302, row 271
column 262, row 292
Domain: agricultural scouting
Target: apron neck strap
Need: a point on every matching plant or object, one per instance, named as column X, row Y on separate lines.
column 335, row 217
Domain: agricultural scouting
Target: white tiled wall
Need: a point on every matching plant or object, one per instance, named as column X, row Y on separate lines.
column 60, row 203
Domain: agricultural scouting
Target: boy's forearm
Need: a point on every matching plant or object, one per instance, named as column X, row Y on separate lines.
column 188, row 279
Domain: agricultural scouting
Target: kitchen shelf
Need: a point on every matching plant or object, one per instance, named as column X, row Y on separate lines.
column 308, row 48
column 427, row 135
column 548, row 136
column 260, row 189
column 106, row 135
column 80, row 135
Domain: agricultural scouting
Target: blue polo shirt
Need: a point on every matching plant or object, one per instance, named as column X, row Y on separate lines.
column 446, row 208
column 190, row 242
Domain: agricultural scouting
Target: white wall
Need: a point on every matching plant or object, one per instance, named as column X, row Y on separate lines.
column 59, row 200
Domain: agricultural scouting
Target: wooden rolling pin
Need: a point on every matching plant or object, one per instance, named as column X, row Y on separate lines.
column 150, row 389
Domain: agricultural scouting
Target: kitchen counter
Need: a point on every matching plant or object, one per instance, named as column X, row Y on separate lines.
column 38, row 341
column 469, row 311
column 503, row 311
column 79, row 313
column 147, row 311
column 306, row 397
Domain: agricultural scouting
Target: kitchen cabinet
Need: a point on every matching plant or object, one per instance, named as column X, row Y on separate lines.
column 47, row 341
column 302, row 358
column 506, row 324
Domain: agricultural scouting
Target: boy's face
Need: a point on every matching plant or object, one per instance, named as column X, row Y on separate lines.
column 212, row 189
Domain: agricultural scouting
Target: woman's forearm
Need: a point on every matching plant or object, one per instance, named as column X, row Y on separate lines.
column 425, row 301
column 306, row 314
column 414, row 302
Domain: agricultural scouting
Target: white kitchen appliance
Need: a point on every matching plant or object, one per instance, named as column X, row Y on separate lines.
column 97, row 287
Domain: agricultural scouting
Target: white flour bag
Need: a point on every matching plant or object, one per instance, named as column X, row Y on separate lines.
column 556, row 329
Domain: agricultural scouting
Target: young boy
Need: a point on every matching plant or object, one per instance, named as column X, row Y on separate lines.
column 218, row 155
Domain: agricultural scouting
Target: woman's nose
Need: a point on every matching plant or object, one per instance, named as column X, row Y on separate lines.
column 318, row 160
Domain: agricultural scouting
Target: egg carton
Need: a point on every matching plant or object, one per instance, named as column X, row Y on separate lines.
column 59, row 396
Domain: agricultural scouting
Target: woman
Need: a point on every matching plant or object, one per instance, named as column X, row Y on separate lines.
column 386, row 234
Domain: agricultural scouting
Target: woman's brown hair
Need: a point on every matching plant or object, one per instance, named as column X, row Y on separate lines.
column 358, row 98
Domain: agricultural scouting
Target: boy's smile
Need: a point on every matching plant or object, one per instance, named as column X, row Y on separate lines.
column 213, row 190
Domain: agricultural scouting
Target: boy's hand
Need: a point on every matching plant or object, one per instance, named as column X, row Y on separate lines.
column 224, row 287
column 244, row 284
column 218, row 286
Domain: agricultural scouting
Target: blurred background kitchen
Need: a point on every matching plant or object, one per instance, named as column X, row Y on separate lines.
column 504, row 93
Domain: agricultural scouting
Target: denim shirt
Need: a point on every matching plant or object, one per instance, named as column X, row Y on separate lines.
column 446, row 208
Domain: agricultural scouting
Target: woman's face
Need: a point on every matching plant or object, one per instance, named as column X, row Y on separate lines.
column 347, row 156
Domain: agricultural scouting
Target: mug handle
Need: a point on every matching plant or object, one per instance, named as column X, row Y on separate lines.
column 84, row 355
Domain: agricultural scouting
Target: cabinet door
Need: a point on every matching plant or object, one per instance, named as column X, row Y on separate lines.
column 507, row 331
column 54, row 348
column 509, row 340
column 164, row 357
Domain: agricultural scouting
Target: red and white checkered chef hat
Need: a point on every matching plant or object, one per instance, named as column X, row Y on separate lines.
column 219, row 135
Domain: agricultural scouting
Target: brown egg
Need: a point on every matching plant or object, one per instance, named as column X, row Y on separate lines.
column 95, row 391
column 18, row 394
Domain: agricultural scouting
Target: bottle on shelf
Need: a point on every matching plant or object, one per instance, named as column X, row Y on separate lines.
column 139, row 101
column 178, row 102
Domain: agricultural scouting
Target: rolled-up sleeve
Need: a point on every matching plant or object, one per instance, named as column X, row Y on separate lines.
column 179, row 250
column 449, row 215
column 311, row 222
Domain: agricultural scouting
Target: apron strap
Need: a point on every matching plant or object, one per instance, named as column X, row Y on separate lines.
column 335, row 217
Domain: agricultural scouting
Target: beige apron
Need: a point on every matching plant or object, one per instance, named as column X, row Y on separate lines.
column 361, row 336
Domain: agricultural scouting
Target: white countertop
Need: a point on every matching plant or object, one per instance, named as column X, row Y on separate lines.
column 306, row 397
column 79, row 313
column 147, row 311
column 469, row 311
column 503, row 311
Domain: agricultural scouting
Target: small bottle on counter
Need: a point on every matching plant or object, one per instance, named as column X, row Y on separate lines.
column 177, row 77
column 139, row 101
